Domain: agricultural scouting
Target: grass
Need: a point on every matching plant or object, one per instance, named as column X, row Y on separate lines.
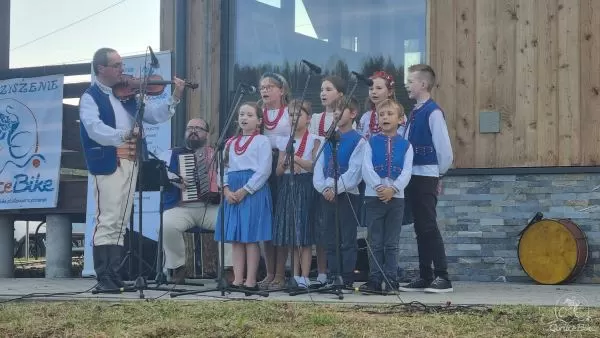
column 277, row 319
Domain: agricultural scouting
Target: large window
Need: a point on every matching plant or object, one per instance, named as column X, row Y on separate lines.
column 340, row 36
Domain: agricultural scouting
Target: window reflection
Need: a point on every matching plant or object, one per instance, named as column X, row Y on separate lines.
column 340, row 36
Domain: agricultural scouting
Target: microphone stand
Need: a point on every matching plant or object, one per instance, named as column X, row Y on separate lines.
column 290, row 153
column 161, row 278
column 333, row 138
column 223, row 286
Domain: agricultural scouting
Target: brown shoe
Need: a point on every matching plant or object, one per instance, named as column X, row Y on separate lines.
column 178, row 275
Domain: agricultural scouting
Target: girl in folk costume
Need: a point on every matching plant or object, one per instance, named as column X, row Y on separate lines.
column 274, row 92
column 333, row 89
column 381, row 90
column 332, row 92
column 248, row 205
column 295, row 208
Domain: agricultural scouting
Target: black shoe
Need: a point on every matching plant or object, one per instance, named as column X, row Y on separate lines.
column 178, row 275
column 370, row 286
column 391, row 287
column 439, row 285
column 115, row 254
column 254, row 288
column 416, row 285
column 101, row 267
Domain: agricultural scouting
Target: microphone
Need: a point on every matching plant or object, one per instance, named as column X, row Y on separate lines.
column 364, row 79
column 154, row 63
column 312, row 67
column 250, row 89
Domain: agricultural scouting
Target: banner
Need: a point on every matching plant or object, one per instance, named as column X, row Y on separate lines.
column 30, row 141
column 158, row 138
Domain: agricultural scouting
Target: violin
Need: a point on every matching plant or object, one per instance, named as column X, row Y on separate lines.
column 129, row 86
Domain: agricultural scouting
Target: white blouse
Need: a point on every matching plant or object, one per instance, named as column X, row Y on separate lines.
column 310, row 145
column 365, row 120
column 363, row 125
column 257, row 157
column 283, row 127
column 316, row 120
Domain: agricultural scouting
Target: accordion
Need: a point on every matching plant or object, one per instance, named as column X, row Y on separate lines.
column 198, row 178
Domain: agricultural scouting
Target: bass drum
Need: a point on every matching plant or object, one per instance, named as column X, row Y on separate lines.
column 553, row 251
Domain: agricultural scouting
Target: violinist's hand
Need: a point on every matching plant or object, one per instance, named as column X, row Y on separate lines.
column 131, row 135
column 179, row 86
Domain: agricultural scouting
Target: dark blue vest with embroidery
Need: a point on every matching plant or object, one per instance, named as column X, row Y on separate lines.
column 388, row 155
column 172, row 195
column 347, row 143
column 420, row 134
column 102, row 160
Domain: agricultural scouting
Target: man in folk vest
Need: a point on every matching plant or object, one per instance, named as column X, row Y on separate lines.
column 201, row 207
column 109, row 142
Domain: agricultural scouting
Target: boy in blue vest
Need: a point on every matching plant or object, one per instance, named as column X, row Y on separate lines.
column 349, row 162
column 427, row 132
column 109, row 142
column 386, row 170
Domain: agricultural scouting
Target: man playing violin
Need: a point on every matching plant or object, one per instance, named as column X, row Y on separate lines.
column 109, row 138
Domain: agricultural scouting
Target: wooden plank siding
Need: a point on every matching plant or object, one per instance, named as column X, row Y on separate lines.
column 536, row 62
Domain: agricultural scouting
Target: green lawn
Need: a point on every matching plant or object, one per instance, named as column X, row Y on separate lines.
column 277, row 319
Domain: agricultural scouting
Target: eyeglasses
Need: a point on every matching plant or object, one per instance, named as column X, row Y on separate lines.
column 196, row 129
column 267, row 87
column 116, row 65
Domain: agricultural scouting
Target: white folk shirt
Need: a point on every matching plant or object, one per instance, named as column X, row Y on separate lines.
column 257, row 157
column 365, row 120
column 373, row 180
column 307, row 155
column 441, row 143
column 350, row 179
column 282, row 129
column 315, row 120
column 156, row 111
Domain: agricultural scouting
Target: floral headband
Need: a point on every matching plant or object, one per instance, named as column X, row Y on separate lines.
column 278, row 78
column 387, row 77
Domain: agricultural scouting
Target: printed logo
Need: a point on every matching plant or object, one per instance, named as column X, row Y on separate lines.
column 572, row 314
column 21, row 145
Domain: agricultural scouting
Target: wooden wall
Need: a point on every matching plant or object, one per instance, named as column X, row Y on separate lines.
column 537, row 62
column 202, row 55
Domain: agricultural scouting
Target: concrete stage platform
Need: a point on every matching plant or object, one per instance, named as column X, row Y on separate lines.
column 464, row 293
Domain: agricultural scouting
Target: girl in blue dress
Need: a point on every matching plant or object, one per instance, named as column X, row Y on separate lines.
column 248, row 204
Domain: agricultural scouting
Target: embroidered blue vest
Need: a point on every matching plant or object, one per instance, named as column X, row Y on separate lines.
column 102, row 160
column 172, row 194
column 420, row 134
column 388, row 155
column 347, row 143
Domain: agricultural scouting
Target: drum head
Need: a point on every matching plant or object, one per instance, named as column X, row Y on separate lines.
column 548, row 251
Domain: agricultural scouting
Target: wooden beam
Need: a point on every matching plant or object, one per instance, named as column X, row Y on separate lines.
column 70, row 69
column 72, row 160
column 204, row 48
column 71, row 139
column 4, row 34
column 74, row 90
column 167, row 25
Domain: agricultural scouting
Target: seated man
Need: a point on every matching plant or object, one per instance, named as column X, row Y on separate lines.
column 180, row 215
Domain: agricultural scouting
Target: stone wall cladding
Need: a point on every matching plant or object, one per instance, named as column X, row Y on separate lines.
column 481, row 216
